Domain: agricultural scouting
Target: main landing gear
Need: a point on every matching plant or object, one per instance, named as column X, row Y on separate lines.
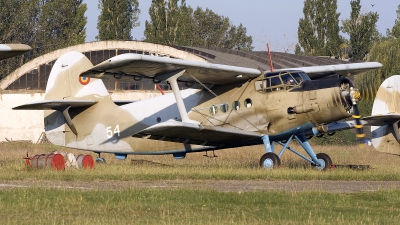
column 270, row 160
column 99, row 159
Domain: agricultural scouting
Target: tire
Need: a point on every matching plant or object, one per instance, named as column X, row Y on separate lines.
column 270, row 160
column 325, row 160
column 100, row 160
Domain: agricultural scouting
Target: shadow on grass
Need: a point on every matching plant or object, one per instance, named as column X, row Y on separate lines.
column 148, row 162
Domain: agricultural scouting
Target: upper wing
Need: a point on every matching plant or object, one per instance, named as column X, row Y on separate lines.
column 190, row 133
column 54, row 105
column 11, row 50
column 135, row 66
column 316, row 72
column 130, row 65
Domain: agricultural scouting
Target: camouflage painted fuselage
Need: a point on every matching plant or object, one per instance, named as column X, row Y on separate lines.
column 107, row 127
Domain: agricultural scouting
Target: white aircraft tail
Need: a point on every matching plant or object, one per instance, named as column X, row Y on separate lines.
column 69, row 94
column 385, row 117
column 65, row 83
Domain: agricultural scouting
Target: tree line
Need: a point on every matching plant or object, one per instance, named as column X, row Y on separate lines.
column 47, row 25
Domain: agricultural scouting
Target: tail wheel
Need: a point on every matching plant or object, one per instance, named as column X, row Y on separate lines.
column 324, row 160
column 270, row 160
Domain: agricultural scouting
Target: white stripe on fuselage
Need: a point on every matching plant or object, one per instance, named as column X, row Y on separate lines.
column 147, row 111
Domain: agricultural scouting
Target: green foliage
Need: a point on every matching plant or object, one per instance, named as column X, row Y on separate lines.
column 18, row 28
column 362, row 30
column 45, row 25
column 170, row 23
column 318, row 31
column 344, row 137
column 174, row 24
column 395, row 32
column 387, row 53
column 63, row 23
column 117, row 19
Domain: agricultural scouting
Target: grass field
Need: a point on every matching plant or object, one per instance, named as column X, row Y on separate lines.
column 144, row 206
column 34, row 205
column 231, row 164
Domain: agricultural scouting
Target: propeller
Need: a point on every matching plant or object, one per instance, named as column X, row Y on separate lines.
column 355, row 96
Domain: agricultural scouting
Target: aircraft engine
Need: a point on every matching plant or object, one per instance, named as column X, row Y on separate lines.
column 325, row 100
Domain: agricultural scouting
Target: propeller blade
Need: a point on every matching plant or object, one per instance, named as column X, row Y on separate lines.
column 355, row 95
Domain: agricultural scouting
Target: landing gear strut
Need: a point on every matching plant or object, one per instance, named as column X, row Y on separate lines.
column 321, row 161
column 99, row 159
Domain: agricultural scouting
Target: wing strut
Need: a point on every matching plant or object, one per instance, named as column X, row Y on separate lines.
column 172, row 79
column 68, row 119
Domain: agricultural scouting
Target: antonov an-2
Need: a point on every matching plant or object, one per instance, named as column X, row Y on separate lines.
column 226, row 107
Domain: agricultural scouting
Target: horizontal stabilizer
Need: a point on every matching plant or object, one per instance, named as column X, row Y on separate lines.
column 54, row 104
column 382, row 120
column 190, row 133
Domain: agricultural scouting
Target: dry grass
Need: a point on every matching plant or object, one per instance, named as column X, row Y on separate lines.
column 231, row 164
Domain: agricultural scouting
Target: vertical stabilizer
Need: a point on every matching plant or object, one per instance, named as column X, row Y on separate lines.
column 386, row 138
column 65, row 83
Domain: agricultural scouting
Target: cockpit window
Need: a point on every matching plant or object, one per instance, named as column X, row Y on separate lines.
column 275, row 81
column 297, row 77
column 281, row 80
column 289, row 80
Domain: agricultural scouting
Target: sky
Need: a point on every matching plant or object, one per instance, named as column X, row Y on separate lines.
column 267, row 21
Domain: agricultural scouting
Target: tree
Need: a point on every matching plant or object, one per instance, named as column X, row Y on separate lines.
column 395, row 32
column 174, row 24
column 238, row 40
column 208, row 28
column 361, row 28
column 318, row 31
column 170, row 23
column 61, row 24
column 117, row 19
column 45, row 25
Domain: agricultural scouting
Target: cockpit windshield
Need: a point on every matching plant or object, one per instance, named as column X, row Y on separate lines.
column 282, row 80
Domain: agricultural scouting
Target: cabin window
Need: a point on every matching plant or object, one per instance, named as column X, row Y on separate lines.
column 248, row 103
column 213, row 110
column 236, row 105
column 224, row 108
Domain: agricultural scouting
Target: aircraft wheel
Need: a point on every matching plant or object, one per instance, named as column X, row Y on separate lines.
column 100, row 160
column 324, row 160
column 270, row 160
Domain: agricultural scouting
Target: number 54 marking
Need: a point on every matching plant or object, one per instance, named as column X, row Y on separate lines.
column 110, row 133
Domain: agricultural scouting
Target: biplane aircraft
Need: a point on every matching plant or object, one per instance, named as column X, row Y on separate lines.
column 11, row 50
column 225, row 107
